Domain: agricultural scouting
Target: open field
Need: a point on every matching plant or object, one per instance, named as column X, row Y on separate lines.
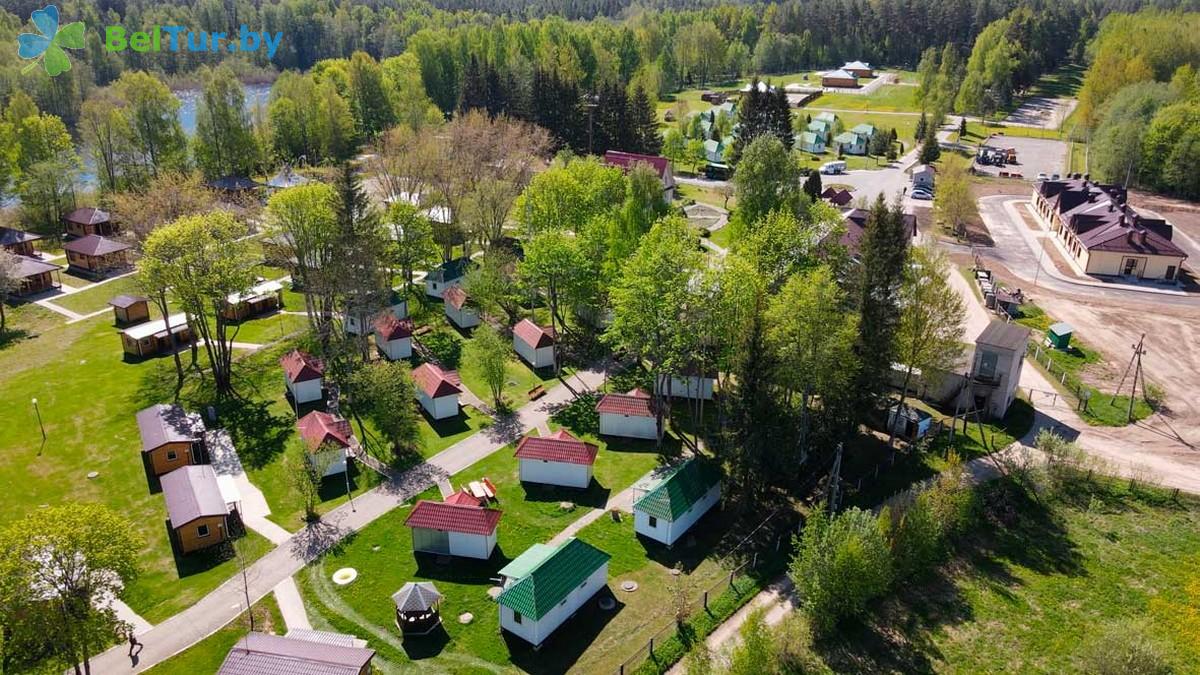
column 96, row 298
column 1041, row 593
column 888, row 98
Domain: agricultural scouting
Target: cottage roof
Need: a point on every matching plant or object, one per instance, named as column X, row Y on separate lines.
column 258, row 290
column 318, row 428
column 12, row 237
column 819, row 126
column 864, row 129
column 856, row 227
column 301, row 366
column 126, row 301
column 416, row 596
column 453, row 517
column 679, row 490
column 388, row 327
column 164, row 423
column 233, row 183
column 1062, row 328
column 839, row 74
column 528, row 561
column 635, row 403
column 846, row 138
column 87, row 215
column 192, row 492
column 263, row 654
column 841, row 197
column 157, row 328
column 856, row 65
column 552, row 580
column 286, row 178
column 464, row 498
column 627, row 160
column 28, row 267
column 560, row 446
column 449, row 271
column 923, row 168
column 1011, row 336
column 827, row 117
column 95, row 245
column 809, row 138
column 532, row 334
column 456, row 296
column 435, row 382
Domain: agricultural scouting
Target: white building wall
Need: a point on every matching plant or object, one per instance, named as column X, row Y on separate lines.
column 689, row 386
column 436, row 288
column 439, row 408
column 472, row 545
column 668, row 532
column 628, row 426
column 565, row 474
column 395, row 350
column 538, row 358
column 536, row 632
column 336, row 460
column 463, row 318
column 304, row 392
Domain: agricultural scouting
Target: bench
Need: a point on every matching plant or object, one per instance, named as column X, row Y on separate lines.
column 422, row 330
column 537, row 392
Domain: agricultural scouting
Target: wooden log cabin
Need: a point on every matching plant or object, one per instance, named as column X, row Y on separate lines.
column 18, row 242
column 197, row 508
column 153, row 338
column 89, row 220
column 171, row 438
column 36, row 275
column 263, row 297
column 95, row 256
column 130, row 309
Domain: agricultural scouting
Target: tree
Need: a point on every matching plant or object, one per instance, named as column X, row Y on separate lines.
column 767, row 178
column 842, row 562
column 59, row 568
column 674, row 146
column 644, row 123
column 9, row 282
column 384, row 391
column 753, row 653
column 553, row 263
column 492, row 287
column 225, row 143
column 881, row 274
column 369, row 103
column 930, row 150
column 305, row 473
column 167, row 197
column 303, row 230
column 929, row 338
column 696, row 154
column 953, row 203
column 922, row 128
column 156, row 138
column 700, row 48
column 487, row 354
column 1118, row 142
column 411, row 240
column 761, row 112
column 104, row 128
column 812, row 185
column 988, row 83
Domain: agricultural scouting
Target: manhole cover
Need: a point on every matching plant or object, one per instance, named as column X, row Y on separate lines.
column 629, row 586
column 345, row 576
column 495, row 591
column 607, row 603
column 466, row 617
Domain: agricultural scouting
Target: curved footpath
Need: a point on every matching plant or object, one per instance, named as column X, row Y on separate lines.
column 228, row 600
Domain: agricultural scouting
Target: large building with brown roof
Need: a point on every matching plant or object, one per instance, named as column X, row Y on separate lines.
column 96, row 256
column 1103, row 234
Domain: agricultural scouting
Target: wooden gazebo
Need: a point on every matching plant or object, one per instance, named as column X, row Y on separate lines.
column 417, row 608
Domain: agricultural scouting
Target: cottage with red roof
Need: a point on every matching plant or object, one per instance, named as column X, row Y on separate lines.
column 303, row 375
column 328, row 439
column 437, row 390
column 557, row 459
column 661, row 165
column 461, row 529
column 534, row 343
column 630, row 415
column 458, row 307
column 1103, row 234
column 393, row 337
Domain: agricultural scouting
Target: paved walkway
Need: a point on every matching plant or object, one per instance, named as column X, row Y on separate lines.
column 126, row 614
column 291, row 606
column 227, row 601
column 623, row 500
column 254, row 509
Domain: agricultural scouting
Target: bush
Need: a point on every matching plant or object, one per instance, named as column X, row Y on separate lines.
column 915, row 535
column 842, row 563
column 579, row 415
column 1125, row 648
column 445, row 348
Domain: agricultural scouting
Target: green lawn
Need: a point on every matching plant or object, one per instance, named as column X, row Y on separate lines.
column 96, row 298
column 704, row 195
column 1036, row 594
column 437, row 435
column 207, row 655
column 888, row 98
column 1061, row 83
column 271, row 327
column 722, row 237
column 88, row 395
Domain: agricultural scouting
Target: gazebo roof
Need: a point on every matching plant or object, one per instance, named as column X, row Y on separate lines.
column 416, row 596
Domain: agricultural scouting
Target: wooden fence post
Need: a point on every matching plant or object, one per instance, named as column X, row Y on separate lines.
column 651, row 646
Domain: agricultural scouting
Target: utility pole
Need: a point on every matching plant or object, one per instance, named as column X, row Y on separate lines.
column 1135, row 364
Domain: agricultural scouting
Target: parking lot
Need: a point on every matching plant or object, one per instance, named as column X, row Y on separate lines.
column 1034, row 156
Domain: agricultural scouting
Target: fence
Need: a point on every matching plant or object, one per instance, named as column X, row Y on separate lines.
column 1079, row 391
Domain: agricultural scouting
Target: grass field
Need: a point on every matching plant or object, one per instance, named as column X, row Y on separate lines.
column 888, row 98
column 96, row 298
column 1037, row 595
column 207, row 655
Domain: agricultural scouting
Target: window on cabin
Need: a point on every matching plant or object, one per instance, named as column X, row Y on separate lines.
column 172, row 456
column 516, row 617
column 653, row 521
column 202, row 531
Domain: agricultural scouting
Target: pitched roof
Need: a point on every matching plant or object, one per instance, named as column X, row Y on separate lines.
column 560, row 446
column 453, row 517
column 28, row 267
column 416, row 596
column 11, row 237
column 532, row 334
column 157, row 328
column 808, row 138
column 839, row 74
column 388, row 327
column 864, row 129
column 856, row 228
column 435, row 382
column 520, row 566
column 1101, row 217
column 301, row 366
column 318, row 428
column 826, row 117
column 1010, row 336
column 553, row 579
column 856, row 65
column 263, row 654
column 163, row 423
column 1061, row 328
column 94, row 244
column 627, row 160
column 923, row 168
column 679, row 490
column 634, row 403
column 232, row 183
column 87, row 216
column 841, row 197
column 192, row 492
column 464, row 498
column 846, row 138
column 449, row 271
column 126, row 301
column 456, row 296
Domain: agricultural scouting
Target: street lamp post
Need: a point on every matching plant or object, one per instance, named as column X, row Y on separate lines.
column 41, row 426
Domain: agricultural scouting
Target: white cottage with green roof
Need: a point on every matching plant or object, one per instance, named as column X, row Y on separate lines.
column 546, row 585
column 671, row 504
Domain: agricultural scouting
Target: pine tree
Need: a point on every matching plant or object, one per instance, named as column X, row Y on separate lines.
column 930, row 151
column 812, row 185
column 922, row 124
column 884, row 255
column 644, row 122
column 474, row 91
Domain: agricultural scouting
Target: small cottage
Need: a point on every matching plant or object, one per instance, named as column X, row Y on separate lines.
column 859, row 69
column 130, row 309
column 669, row 505
column 691, row 385
column 89, row 220
column 259, row 299
column 923, row 177
column 456, row 304
column 95, row 256
column 850, row 143
column 630, row 415
column 171, row 438
column 545, row 586
column 154, row 337
column 301, row 652
column 362, row 320
column 329, row 440
column 437, row 390
column 1059, row 335
column 811, row 142
column 304, row 376
column 197, row 510
column 234, row 186
column 534, row 343
column 35, row 276
column 453, row 529
column 557, row 459
column 660, row 165
column 910, row 423
column 996, row 366
column 18, row 242
column 445, row 275
column 393, row 337
column 839, row 79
